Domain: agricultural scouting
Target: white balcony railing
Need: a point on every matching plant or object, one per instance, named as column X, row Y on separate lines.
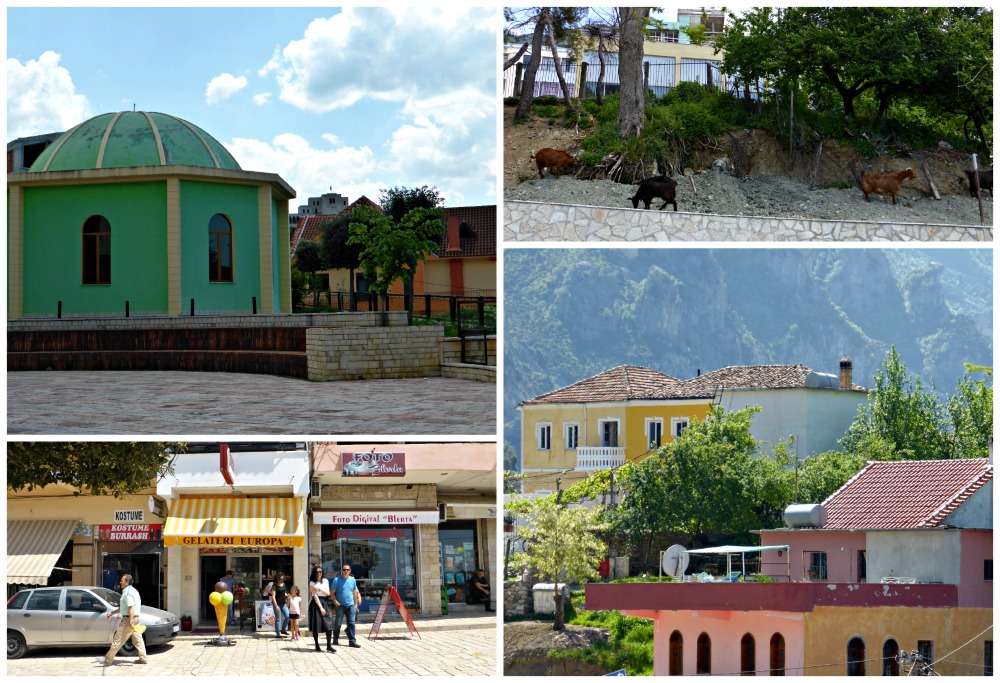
column 599, row 458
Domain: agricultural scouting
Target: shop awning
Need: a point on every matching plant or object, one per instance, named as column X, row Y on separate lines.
column 34, row 547
column 241, row 522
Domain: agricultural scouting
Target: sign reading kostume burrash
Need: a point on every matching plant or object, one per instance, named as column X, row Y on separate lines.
column 373, row 464
column 130, row 532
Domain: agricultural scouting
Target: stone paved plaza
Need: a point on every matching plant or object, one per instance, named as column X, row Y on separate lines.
column 175, row 403
column 461, row 645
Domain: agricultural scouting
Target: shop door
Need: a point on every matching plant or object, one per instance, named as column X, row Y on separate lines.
column 458, row 558
column 145, row 571
column 380, row 557
column 213, row 568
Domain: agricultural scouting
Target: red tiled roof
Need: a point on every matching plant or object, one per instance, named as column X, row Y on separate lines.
column 623, row 383
column 751, row 377
column 478, row 232
column 905, row 494
column 308, row 227
column 703, row 386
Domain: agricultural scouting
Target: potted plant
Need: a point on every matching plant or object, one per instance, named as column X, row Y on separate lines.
column 187, row 624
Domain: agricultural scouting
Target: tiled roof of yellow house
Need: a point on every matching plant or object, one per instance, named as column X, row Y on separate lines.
column 632, row 382
column 623, row 383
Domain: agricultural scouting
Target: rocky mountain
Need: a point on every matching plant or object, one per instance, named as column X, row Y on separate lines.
column 571, row 313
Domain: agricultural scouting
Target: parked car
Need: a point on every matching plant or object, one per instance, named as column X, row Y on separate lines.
column 73, row 616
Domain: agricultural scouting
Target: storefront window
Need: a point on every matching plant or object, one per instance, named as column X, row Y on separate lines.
column 379, row 556
column 458, row 558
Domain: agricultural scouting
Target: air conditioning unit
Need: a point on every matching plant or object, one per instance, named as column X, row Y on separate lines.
column 315, row 493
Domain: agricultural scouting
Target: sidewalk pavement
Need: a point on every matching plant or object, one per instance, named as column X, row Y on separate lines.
column 172, row 403
column 461, row 645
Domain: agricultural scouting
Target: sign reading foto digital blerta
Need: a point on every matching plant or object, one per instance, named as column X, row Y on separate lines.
column 373, row 464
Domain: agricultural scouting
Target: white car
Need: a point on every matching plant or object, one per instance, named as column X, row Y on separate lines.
column 73, row 616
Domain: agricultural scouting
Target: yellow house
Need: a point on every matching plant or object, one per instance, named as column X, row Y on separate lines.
column 599, row 423
column 622, row 414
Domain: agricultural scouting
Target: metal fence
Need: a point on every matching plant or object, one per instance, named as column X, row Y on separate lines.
column 471, row 308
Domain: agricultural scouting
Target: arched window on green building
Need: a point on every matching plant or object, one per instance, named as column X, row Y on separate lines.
column 97, row 251
column 220, row 249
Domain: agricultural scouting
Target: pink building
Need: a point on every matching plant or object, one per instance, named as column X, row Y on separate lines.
column 900, row 561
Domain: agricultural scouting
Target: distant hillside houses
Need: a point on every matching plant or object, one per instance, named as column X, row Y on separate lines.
column 623, row 414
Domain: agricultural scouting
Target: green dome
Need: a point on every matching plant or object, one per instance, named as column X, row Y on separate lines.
column 133, row 138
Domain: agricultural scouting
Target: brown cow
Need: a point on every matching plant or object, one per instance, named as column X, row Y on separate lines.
column 888, row 183
column 554, row 159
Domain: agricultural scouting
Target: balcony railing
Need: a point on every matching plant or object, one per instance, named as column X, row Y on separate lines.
column 599, row 458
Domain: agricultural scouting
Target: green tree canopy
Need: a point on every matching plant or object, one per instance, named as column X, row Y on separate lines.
column 561, row 543
column 337, row 252
column 939, row 58
column 901, row 419
column 392, row 248
column 96, row 468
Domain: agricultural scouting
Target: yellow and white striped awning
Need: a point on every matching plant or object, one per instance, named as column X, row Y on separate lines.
column 227, row 521
column 34, row 547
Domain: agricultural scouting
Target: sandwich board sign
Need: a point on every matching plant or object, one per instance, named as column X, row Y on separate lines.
column 389, row 593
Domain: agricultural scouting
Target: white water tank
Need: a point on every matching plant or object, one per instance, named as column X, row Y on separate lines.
column 804, row 515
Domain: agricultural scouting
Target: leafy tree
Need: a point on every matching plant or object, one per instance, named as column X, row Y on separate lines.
column 399, row 201
column 394, row 242
column 713, row 479
column 901, row 418
column 98, row 468
column 632, row 105
column 309, row 259
column 561, row 544
column 820, row 475
column 970, row 414
column 510, row 460
column 550, row 25
column 337, row 252
column 299, row 286
column 888, row 52
column 605, row 34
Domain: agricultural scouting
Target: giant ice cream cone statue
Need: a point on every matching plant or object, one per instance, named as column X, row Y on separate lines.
column 221, row 599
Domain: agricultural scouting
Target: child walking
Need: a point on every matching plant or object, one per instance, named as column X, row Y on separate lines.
column 294, row 610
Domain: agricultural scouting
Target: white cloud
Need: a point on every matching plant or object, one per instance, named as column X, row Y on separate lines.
column 387, row 54
column 438, row 65
column 351, row 171
column 224, row 86
column 262, row 98
column 41, row 97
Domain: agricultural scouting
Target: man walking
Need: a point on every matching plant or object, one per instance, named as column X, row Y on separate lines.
column 129, row 607
column 346, row 599
column 479, row 588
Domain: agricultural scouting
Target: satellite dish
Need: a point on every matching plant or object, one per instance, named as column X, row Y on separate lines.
column 675, row 560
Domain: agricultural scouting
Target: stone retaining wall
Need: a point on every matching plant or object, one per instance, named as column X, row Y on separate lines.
column 373, row 353
column 451, row 349
column 517, row 598
column 475, row 373
column 534, row 222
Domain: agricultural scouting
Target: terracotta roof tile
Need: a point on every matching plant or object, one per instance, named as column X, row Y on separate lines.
column 308, row 227
column 905, row 494
column 477, row 232
column 623, row 383
column 703, row 386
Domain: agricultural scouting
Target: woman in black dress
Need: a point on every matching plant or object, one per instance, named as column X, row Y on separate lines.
column 320, row 604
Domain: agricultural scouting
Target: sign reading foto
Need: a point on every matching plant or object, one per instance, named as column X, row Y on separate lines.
column 373, row 464
column 365, row 518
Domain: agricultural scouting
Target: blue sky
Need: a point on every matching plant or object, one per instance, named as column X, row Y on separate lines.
column 359, row 99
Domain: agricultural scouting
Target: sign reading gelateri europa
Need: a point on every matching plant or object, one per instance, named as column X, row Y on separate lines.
column 373, row 464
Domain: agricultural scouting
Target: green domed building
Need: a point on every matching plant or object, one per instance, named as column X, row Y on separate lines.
column 146, row 208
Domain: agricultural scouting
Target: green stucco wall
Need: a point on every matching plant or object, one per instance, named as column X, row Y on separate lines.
column 199, row 202
column 53, row 223
column 275, row 254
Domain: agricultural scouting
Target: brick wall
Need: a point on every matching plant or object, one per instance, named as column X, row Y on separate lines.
column 451, row 349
